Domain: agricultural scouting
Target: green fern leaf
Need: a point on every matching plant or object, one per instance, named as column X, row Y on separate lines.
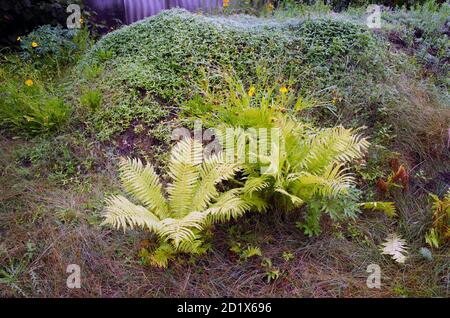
column 121, row 213
column 387, row 207
column 143, row 183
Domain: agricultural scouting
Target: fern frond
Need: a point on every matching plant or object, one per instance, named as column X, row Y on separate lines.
column 162, row 255
column 256, row 201
column 178, row 230
column 121, row 213
column 333, row 145
column 185, row 176
column 255, row 184
column 192, row 247
column 212, row 172
column 332, row 182
column 295, row 200
column 228, row 205
column 432, row 238
column 252, row 192
column 143, row 183
column 350, row 145
column 387, row 207
column 396, row 247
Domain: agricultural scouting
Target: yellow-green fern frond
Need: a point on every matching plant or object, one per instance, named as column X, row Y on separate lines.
column 295, row 200
column 121, row 213
column 350, row 145
column 255, row 184
column 162, row 255
column 252, row 190
column 332, row 182
column 143, row 183
column 387, row 207
column 182, row 169
column 195, row 247
column 333, row 145
column 228, row 205
column 178, row 230
column 432, row 238
column 212, row 171
column 440, row 229
column 194, row 200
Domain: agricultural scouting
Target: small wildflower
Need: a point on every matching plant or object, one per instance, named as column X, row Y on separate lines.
column 334, row 101
column 34, row 44
column 81, row 21
column 19, row 39
column 251, row 91
column 29, row 82
column 225, row 3
column 283, row 90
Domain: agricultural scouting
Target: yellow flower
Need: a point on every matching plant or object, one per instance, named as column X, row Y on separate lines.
column 251, row 91
column 283, row 90
column 34, row 44
column 19, row 39
column 81, row 20
column 29, row 82
column 225, row 3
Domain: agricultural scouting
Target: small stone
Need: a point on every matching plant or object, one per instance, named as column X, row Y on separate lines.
column 426, row 253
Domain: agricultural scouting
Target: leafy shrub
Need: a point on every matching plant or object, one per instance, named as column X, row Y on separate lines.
column 54, row 46
column 193, row 200
column 28, row 107
column 21, row 16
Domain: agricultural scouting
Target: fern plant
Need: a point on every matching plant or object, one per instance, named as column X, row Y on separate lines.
column 307, row 165
column 254, row 106
column 191, row 201
column 440, row 230
column 304, row 165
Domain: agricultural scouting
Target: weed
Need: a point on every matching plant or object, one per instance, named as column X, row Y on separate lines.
column 29, row 108
column 92, row 99
column 92, row 71
column 272, row 273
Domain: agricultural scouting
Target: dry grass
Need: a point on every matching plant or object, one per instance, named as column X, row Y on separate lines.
column 422, row 121
column 63, row 224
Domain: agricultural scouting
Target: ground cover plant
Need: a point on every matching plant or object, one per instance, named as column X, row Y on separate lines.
column 361, row 175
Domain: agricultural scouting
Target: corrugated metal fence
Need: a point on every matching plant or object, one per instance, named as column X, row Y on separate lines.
column 138, row 9
column 129, row 11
